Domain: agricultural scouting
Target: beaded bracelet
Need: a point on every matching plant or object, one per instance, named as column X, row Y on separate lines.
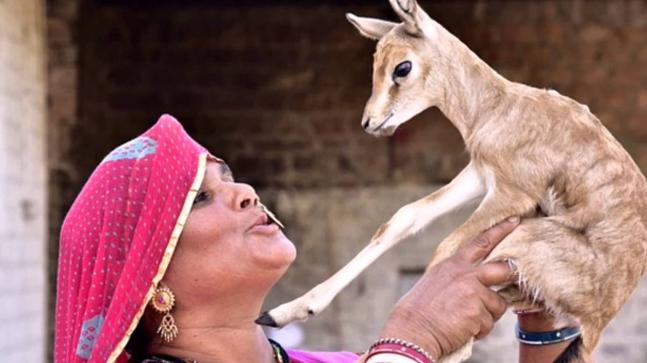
column 400, row 347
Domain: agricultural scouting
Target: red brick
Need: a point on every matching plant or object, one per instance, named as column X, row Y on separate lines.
column 642, row 100
column 637, row 126
column 595, row 33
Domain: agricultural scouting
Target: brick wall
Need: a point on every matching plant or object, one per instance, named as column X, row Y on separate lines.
column 278, row 90
column 275, row 90
column 22, row 181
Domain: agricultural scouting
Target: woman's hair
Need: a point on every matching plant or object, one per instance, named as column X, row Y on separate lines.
column 139, row 344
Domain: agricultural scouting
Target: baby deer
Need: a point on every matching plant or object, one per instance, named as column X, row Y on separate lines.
column 580, row 250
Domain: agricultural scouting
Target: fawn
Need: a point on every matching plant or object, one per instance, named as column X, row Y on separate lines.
column 580, row 249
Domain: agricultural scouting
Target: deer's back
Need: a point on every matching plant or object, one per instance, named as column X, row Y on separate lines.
column 558, row 152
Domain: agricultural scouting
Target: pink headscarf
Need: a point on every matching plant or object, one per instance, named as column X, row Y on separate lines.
column 118, row 239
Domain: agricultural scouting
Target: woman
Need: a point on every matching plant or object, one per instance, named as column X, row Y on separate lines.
column 165, row 258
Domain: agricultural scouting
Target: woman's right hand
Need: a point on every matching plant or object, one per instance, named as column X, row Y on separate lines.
column 452, row 301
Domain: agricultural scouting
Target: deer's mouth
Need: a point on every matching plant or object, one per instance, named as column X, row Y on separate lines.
column 384, row 129
column 386, row 119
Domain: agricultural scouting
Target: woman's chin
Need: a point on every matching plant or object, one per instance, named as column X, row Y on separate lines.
column 273, row 252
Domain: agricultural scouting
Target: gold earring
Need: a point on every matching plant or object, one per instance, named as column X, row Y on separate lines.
column 163, row 301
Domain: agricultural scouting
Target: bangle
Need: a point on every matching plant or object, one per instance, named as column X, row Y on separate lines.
column 389, row 358
column 547, row 338
column 400, row 347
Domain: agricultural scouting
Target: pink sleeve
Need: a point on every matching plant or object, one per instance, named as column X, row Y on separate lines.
column 299, row 356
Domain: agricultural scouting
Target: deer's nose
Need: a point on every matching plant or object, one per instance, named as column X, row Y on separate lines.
column 365, row 123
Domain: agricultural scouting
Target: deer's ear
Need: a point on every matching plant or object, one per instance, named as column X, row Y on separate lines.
column 370, row 27
column 416, row 21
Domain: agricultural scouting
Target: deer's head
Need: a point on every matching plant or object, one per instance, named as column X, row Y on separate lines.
column 403, row 66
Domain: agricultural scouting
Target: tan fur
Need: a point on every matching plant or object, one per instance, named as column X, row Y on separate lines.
column 582, row 248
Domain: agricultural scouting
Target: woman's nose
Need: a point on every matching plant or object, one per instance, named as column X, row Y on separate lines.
column 245, row 197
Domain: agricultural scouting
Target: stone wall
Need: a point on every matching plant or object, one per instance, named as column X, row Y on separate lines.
column 23, row 197
column 62, row 87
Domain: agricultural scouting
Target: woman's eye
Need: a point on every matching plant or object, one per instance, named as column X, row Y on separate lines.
column 402, row 70
column 202, row 196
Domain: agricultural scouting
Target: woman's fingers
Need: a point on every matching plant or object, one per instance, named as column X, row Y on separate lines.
column 494, row 273
column 452, row 302
column 494, row 303
column 487, row 324
column 478, row 248
column 490, row 274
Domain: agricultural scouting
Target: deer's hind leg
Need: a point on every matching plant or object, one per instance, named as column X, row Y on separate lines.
column 559, row 271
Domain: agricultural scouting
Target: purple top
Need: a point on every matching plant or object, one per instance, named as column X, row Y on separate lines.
column 299, row 356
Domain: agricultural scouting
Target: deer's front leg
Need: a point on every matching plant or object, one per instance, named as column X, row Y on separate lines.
column 466, row 187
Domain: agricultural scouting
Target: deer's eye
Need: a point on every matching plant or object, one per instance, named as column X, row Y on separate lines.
column 402, row 69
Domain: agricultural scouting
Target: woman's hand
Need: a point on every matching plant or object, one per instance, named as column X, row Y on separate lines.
column 452, row 302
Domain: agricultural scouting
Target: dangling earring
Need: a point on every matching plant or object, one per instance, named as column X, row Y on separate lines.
column 163, row 301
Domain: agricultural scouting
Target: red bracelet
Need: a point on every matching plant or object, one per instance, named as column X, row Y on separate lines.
column 400, row 347
column 531, row 311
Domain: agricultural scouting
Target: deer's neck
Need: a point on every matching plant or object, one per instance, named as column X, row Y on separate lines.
column 471, row 89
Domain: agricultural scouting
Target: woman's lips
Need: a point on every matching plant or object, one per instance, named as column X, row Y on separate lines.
column 262, row 219
column 265, row 229
column 263, row 225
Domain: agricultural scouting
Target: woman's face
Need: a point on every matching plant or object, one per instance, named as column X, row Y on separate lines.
column 228, row 241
